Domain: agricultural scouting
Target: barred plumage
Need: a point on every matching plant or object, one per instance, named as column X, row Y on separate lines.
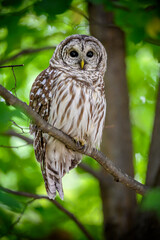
column 69, row 95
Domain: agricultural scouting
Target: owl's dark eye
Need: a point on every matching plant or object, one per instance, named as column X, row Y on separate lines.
column 89, row 54
column 74, row 54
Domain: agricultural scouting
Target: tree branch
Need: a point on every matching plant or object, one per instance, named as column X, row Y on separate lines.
column 108, row 165
column 15, row 124
column 26, row 51
column 84, row 166
column 152, row 41
column 57, row 204
column 15, row 134
column 21, row 214
column 79, row 11
column 4, row 146
column 97, row 174
column 19, row 65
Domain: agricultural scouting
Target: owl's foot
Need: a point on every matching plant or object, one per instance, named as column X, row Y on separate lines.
column 81, row 143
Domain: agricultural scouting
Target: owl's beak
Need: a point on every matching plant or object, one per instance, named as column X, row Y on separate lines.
column 82, row 64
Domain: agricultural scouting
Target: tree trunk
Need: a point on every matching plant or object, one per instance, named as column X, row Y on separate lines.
column 118, row 201
column 153, row 170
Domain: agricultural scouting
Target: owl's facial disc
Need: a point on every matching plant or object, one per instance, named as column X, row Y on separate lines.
column 81, row 55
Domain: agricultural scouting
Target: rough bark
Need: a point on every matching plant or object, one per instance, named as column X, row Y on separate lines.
column 153, row 170
column 118, row 201
column 147, row 224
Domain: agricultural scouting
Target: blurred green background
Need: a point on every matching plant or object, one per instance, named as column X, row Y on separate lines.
column 32, row 24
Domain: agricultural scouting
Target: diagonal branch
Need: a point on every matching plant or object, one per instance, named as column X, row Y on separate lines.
column 15, row 134
column 4, row 146
column 25, row 52
column 97, row 174
column 84, row 166
column 108, row 165
column 152, row 41
column 57, row 204
column 22, row 213
column 79, row 11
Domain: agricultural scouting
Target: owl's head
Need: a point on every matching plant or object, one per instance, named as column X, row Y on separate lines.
column 80, row 52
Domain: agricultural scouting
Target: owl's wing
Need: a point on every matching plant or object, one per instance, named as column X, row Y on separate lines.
column 99, row 119
column 40, row 100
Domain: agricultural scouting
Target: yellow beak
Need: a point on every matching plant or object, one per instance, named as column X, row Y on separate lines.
column 82, row 64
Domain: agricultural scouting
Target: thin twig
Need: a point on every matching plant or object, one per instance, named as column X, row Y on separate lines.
column 7, row 66
column 11, row 227
column 22, row 213
column 57, row 204
column 15, row 124
column 26, row 51
column 152, row 41
column 4, row 146
column 79, row 11
column 95, row 173
column 15, row 134
column 108, row 165
column 15, row 82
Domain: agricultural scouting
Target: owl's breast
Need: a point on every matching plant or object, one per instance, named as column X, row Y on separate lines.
column 74, row 110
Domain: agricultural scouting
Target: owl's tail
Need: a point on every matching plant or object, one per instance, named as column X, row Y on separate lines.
column 53, row 182
column 58, row 161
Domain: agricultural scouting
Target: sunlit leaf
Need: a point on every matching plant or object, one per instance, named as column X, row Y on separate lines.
column 7, row 114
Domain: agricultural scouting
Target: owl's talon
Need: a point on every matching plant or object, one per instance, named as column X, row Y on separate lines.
column 81, row 147
column 80, row 143
column 83, row 142
column 84, row 147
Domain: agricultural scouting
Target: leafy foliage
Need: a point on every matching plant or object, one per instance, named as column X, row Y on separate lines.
column 51, row 8
column 151, row 201
column 10, row 202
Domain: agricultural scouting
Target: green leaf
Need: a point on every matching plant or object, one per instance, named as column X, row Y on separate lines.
column 9, row 3
column 151, row 201
column 10, row 202
column 6, row 115
column 96, row 1
column 51, row 8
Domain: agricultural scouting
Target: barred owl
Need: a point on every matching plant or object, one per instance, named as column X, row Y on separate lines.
column 69, row 95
